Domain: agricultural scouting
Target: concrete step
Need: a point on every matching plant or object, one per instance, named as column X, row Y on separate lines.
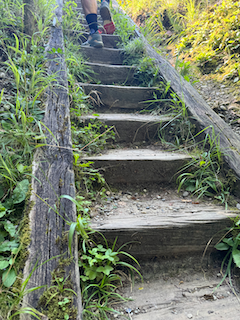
column 103, row 55
column 126, row 97
column 109, row 74
column 137, row 166
column 131, row 127
column 160, row 223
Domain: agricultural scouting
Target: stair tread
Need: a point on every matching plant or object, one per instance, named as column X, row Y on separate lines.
column 139, row 154
column 110, row 66
column 160, row 224
column 124, row 97
column 128, row 117
column 103, row 55
column 102, row 49
column 162, row 216
column 111, row 86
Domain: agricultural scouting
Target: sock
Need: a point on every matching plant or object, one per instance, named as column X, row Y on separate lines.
column 92, row 22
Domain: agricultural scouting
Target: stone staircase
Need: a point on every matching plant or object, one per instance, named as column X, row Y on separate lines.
column 144, row 210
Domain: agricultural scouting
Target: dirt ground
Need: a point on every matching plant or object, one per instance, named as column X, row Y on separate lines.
column 180, row 288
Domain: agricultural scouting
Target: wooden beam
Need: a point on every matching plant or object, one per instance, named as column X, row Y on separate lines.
column 53, row 177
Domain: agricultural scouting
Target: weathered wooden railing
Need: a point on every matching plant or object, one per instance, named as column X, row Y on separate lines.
column 53, row 177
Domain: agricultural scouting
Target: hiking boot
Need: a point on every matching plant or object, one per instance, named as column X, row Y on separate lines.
column 105, row 13
column 94, row 40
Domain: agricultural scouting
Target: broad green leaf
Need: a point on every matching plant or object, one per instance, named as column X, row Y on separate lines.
column 4, row 264
column 20, row 168
column 19, row 193
column 2, row 208
column 228, row 241
column 2, row 212
column 10, row 228
column 71, row 235
column 8, row 203
column 84, row 278
column 236, row 257
column 8, row 277
column 106, row 270
column 92, row 261
column 91, row 274
column 222, row 246
column 15, row 250
column 191, row 187
column 8, row 246
column 238, row 223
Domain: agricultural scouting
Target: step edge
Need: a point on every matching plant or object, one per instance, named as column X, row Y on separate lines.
column 110, row 86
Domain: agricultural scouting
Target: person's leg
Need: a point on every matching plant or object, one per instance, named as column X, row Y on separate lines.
column 90, row 11
column 106, row 16
column 89, row 6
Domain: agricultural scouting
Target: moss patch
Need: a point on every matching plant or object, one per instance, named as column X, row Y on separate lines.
column 57, row 302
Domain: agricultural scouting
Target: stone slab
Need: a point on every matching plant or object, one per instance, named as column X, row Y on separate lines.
column 121, row 96
column 132, row 127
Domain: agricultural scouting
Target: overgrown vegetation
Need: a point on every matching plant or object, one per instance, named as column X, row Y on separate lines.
column 230, row 243
column 100, row 268
column 21, row 131
column 24, row 79
column 205, row 33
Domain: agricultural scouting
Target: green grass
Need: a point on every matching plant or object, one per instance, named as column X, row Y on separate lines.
column 204, row 33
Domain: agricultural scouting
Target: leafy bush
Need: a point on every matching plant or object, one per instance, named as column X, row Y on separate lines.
column 231, row 244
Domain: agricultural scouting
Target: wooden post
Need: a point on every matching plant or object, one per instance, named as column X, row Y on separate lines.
column 53, row 176
column 28, row 17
